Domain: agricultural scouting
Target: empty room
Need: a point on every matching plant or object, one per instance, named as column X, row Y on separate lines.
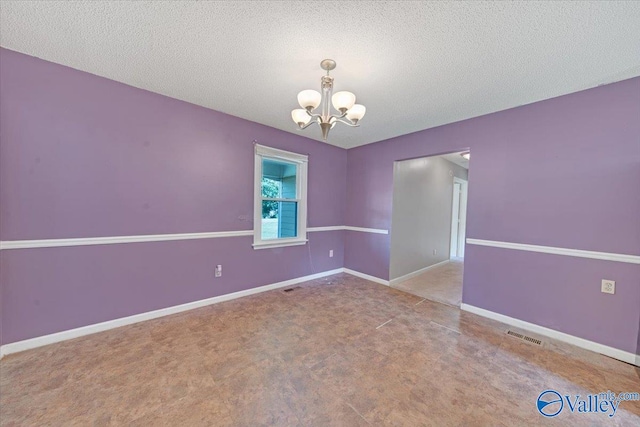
column 373, row 213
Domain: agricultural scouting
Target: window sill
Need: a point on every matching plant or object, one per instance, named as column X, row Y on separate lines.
column 281, row 244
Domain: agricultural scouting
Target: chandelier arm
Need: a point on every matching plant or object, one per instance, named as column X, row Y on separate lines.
column 313, row 115
column 308, row 124
column 348, row 123
column 340, row 115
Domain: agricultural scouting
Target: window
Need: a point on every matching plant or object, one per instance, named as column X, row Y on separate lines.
column 280, row 198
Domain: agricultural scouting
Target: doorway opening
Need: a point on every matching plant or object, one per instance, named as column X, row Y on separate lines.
column 428, row 226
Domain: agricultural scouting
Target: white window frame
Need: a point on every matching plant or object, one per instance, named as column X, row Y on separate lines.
column 301, row 161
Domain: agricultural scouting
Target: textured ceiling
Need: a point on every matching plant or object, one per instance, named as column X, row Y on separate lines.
column 414, row 65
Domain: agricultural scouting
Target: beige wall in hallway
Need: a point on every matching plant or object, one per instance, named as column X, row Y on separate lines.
column 421, row 220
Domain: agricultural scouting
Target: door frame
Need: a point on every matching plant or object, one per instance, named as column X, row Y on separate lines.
column 462, row 218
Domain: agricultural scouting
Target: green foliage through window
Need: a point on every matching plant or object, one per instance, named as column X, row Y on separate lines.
column 271, row 189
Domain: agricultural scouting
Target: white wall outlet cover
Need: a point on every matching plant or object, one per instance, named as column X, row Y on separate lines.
column 331, row 253
column 608, row 286
column 218, row 271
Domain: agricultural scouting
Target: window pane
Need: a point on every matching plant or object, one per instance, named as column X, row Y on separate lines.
column 279, row 220
column 279, row 179
column 271, row 188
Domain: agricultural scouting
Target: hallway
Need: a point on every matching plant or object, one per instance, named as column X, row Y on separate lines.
column 442, row 283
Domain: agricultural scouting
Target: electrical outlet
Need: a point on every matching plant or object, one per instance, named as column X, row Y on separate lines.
column 435, row 252
column 330, row 253
column 218, row 271
column 608, row 286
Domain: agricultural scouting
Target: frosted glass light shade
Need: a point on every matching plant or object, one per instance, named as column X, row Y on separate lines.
column 332, row 122
column 309, row 98
column 342, row 100
column 300, row 116
column 356, row 112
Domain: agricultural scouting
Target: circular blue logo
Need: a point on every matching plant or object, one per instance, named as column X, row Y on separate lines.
column 550, row 403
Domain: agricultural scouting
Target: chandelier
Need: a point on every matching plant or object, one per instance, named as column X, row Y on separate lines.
column 344, row 102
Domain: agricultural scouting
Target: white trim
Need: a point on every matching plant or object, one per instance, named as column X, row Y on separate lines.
column 328, row 228
column 461, row 231
column 455, row 219
column 607, row 256
column 366, row 276
column 415, row 273
column 279, row 243
column 263, row 150
column 625, row 356
column 90, row 241
column 113, row 240
column 366, row 230
column 123, row 321
column 301, row 162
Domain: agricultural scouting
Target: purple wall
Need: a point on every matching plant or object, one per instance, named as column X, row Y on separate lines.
column 562, row 172
column 83, row 156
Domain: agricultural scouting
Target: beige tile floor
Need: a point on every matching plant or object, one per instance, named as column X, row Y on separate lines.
column 442, row 283
column 317, row 356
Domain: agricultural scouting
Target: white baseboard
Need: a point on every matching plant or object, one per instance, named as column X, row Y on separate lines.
column 123, row 321
column 366, row 276
column 415, row 273
column 625, row 356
